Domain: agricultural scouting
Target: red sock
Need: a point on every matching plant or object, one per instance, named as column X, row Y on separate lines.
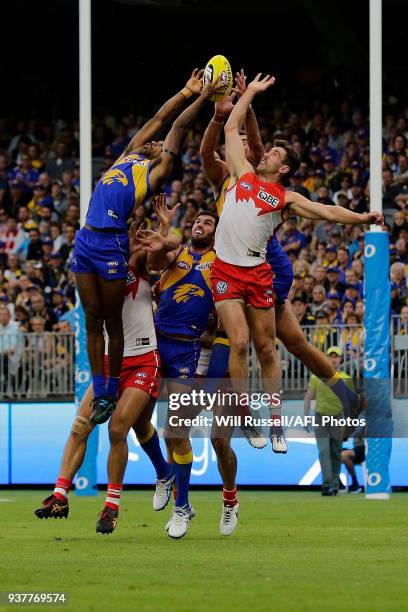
column 113, row 497
column 62, row 487
column 230, row 497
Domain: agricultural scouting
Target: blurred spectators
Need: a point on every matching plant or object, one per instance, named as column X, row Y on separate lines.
column 39, row 207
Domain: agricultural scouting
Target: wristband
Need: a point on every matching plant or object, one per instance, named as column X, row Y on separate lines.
column 169, row 152
column 187, row 93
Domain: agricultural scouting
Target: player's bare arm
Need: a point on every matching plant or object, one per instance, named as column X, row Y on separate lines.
column 234, row 148
column 161, row 253
column 170, row 108
column 255, row 145
column 296, row 204
column 162, row 166
column 215, row 169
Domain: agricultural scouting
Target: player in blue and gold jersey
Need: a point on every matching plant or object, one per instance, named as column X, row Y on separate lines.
column 101, row 246
column 185, row 304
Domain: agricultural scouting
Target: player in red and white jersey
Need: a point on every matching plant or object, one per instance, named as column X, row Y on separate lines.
column 138, row 390
column 241, row 279
column 255, row 206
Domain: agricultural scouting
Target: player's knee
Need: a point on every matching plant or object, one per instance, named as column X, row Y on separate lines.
column 81, row 427
column 240, row 347
column 93, row 320
column 118, row 432
column 220, row 445
column 266, row 353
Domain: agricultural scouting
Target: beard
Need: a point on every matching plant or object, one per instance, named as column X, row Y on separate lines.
column 201, row 242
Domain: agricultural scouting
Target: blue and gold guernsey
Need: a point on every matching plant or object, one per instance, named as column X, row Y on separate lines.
column 185, row 295
column 123, row 187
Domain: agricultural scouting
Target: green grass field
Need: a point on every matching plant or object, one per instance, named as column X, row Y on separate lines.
column 291, row 551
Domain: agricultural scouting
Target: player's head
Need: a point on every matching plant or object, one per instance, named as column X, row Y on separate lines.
column 203, row 231
column 151, row 150
column 282, row 160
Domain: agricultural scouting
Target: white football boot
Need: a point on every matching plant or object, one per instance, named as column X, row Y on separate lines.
column 162, row 494
column 179, row 522
column 229, row 519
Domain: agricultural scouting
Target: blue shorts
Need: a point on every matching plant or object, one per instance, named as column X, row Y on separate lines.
column 282, row 282
column 178, row 359
column 102, row 253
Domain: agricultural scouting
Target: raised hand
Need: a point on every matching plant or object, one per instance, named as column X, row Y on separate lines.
column 195, row 83
column 164, row 214
column 240, row 83
column 149, row 240
column 374, row 218
column 224, row 107
column 211, row 88
column 259, row 85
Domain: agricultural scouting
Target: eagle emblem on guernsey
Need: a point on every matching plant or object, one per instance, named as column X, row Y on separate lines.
column 113, row 175
column 184, row 292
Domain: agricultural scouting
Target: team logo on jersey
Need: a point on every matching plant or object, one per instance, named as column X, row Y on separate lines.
column 114, row 175
column 266, row 197
column 132, row 283
column 221, row 287
column 246, row 186
column 141, row 374
column 142, row 341
column 112, row 214
column 184, row 292
column 133, row 158
column 183, row 265
column 203, row 266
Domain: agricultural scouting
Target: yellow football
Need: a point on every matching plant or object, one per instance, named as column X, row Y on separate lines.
column 219, row 67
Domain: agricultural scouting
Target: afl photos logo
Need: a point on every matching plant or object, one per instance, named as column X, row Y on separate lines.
column 221, row 287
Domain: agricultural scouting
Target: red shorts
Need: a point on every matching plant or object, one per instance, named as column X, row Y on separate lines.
column 140, row 372
column 253, row 285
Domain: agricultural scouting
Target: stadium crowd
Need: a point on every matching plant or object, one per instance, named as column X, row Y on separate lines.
column 39, row 210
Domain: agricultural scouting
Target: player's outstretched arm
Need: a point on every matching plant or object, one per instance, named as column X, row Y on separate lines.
column 215, row 169
column 297, row 204
column 234, row 149
column 161, row 250
column 170, row 108
column 162, row 167
column 255, row 144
